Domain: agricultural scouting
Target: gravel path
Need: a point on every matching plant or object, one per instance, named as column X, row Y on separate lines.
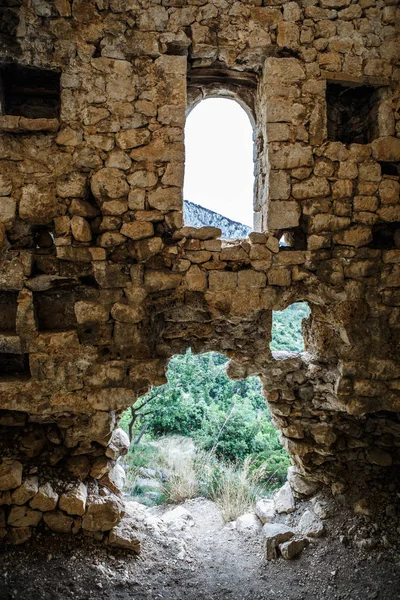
column 214, row 562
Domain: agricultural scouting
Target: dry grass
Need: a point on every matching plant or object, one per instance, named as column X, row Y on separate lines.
column 176, row 459
column 191, row 473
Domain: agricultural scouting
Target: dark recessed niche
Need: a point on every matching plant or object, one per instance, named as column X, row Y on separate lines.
column 12, row 365
column 385, row 236
column 390, row 168
column 55, row 310
column 8, row 312
column 29, row 92
column 352, row 113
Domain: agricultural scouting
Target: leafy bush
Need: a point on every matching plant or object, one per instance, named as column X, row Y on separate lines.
column 227, row 418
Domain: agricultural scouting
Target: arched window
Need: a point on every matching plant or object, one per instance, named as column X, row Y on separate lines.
column 219, row 177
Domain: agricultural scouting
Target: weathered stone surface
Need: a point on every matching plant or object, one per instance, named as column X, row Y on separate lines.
column 137, row 230
column 114, row 480
column 119, row 444
column 23, row 516
column 80, row 229
column 265, row 510
column 101, row 282
column 19, row 535
column 125, row 537
column 311, row 525
column 386, row 149
column 108, row 184
column 274, row 535
column 301, row 485
column 248, row 524
column 102, row 514
column 25, row 491
column 283, row 215
column 291, row 156
column 45, row 499
column 37, row 206
column 284, row 499
column 292, row 548
column 73, row 500
column 58, row 521
column 10, row 474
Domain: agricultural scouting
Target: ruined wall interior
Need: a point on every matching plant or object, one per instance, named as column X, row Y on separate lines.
column 100, row 283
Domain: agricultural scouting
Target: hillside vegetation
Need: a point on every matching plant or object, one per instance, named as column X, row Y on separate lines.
column 226, row 423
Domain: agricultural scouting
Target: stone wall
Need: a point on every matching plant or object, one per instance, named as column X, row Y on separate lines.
column 100, row 283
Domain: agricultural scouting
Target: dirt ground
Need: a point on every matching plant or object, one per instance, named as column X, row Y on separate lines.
column 214, row 562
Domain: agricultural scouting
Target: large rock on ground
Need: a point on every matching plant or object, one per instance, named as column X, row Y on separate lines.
column 293, row 547
column 275, row 534
column 284, row 499
column 311, row 525
column 178, row 519
column 125, row 536
column 249, row 524
column 265, row 510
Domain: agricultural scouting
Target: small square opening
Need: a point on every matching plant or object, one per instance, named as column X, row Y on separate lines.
column 8, row 312
column 14, row 365
column 29, row 92
column 55, row 310
column 352, row 113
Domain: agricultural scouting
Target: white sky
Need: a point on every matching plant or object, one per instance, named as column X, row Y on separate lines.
column 219, row 159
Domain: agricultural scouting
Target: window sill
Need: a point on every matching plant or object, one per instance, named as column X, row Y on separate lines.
column 15, row 124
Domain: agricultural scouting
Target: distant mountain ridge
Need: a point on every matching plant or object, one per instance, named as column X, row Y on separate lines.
column 195, row 215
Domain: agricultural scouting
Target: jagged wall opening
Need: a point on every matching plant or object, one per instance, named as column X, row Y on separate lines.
column 146, row 288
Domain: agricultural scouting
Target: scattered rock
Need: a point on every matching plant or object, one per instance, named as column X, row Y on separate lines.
column 293, row 547
column 274, row 535
column 124, row 536
column 284, row 499
column 249, row 524
column 265, row 510
column 310, row 524
column 178, row 519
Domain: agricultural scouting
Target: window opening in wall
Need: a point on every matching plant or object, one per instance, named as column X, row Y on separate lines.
column 391, row 169
column 385, row 236
column 352, row 113
column 219, row 177
column 203, row 434
column 8, row 311
column 14, row 365
column 29, row 92
column 55, row 309
column 287, row 328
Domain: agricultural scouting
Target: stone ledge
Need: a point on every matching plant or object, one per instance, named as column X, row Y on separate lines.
column 354, row 80
column 15, row 124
